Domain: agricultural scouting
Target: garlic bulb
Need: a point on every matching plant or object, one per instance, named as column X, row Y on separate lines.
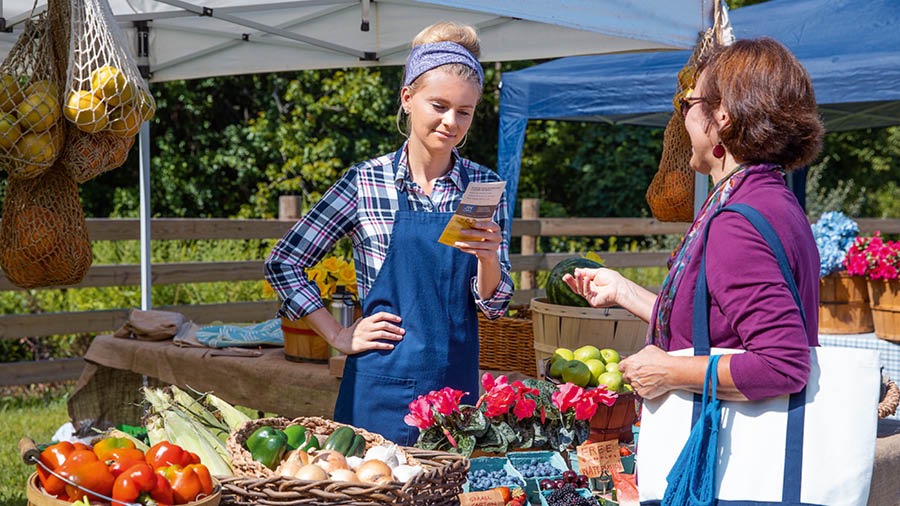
column 404, row 473
column 390, row 454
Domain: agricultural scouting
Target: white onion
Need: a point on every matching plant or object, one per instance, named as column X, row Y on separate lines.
column 404, row 473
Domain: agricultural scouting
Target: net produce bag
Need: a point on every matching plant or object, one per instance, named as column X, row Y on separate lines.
column 43, row 233
column 32, row 133
column 671, row 192
column 106, row 99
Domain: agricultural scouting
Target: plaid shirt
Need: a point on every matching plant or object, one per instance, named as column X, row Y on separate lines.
column 362, row 204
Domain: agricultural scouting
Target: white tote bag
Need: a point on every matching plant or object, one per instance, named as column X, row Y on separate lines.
column 816, row 447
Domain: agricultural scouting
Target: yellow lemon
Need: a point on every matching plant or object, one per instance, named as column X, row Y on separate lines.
column 148, row 105
column 10, row 93
column 86, row 111
column 125, row 121
column 36, row 147
column 44, row 86
column 110, row 84
column 39, row 111
column 9, row 131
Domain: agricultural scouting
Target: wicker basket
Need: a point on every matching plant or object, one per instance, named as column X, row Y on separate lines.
column 37, row 497
column 570, row 327
column 507, row 343
column 439, row 485
column 244, row 465
column 890, row 397
column 844, row 305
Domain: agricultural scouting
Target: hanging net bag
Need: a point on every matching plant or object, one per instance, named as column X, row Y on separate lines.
column 43, row 233
column 107, row 100
column 32, row 133
column 671, row 192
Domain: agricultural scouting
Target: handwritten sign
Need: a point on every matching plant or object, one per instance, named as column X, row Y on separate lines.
column 485, row 498
column 593, row 458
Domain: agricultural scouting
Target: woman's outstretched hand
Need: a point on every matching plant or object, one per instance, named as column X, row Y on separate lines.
column 600, row 287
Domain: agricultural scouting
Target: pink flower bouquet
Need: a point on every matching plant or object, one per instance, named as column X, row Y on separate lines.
column 873, row 257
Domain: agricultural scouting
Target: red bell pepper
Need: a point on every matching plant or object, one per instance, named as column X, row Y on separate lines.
column 140, row 483
column 93, row 476
column 188, row 483
column 120, row 460
column 165, row 454
column 53, row 457
column 75, row 459
column 105, row 446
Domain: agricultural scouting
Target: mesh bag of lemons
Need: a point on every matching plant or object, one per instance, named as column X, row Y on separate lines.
column 106, row 99
column 32, row 133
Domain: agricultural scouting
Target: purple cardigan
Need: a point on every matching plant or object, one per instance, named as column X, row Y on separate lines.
column 751, row 306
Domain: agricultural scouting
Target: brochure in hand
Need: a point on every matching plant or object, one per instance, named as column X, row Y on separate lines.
column 478, row 204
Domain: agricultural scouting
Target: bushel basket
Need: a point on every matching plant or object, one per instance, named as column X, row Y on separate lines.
column 253, row 484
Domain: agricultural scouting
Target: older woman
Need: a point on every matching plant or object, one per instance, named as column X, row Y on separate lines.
column 751, row 117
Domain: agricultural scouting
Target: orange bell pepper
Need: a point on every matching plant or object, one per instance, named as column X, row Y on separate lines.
column 105, row 446
column 164, row 454
column 93, row 476
column 121, row 459
column 53, row 457
column 54, row 485
column 188, row 482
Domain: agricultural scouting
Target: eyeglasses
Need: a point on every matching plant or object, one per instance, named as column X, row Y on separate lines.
column 685, row 104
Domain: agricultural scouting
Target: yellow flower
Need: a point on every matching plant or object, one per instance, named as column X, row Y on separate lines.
column 347, row 274
column 331, row 264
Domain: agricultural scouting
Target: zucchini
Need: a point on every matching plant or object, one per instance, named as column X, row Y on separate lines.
column 341, row 440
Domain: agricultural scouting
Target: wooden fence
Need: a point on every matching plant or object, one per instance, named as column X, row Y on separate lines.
column 528, row 261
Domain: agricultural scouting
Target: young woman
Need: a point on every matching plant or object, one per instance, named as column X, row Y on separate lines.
column 419, row 330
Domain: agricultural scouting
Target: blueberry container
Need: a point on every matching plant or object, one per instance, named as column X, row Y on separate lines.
column 522, row 460
column 490, row 464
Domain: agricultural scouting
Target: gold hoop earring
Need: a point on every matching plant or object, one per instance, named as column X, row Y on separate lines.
column 399, row 128
column 463, row 143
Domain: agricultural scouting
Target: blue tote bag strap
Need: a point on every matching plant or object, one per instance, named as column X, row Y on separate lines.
column 793, row 462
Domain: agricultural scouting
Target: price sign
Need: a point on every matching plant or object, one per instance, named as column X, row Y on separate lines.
column 485, row 498
column 593, row 458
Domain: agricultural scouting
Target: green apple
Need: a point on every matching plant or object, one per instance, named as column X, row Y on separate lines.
column 586, row 353
column 563, row 353
column 576, row 372
column 597, row 368
column 556, row 368
column 612, row 367
column 612, row 380
column 610, row 355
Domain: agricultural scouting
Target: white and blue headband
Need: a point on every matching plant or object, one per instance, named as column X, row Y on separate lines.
column 425, row 57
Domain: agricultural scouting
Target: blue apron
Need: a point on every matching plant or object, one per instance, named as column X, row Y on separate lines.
column 427, row 284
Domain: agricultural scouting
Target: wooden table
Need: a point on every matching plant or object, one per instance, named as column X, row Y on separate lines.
column 109, row 388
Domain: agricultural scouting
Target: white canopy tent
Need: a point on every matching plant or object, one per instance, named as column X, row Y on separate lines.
column 175, row 39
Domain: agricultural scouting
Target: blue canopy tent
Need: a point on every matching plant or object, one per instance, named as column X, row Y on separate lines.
column 851, row 49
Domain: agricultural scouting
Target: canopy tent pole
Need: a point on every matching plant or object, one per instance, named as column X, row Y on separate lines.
column 144, row 148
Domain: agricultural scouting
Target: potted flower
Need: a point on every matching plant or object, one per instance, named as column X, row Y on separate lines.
column 333, row 275
column 879, row 261
column 509, row 416
column 843, row 297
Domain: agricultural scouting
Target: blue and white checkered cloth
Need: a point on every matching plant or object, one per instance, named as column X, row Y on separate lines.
column 888, row 352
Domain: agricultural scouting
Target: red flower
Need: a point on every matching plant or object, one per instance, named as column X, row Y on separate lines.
column 446, row 400
column 873, row 257
column 584, row 402
column 420, row 413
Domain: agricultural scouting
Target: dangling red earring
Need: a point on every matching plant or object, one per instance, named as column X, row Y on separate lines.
column 719, row 150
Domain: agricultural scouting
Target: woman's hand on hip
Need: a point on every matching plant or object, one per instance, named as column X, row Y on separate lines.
column 648, row 371
column 377, row 332
column 483, row 240
column 600, row 287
